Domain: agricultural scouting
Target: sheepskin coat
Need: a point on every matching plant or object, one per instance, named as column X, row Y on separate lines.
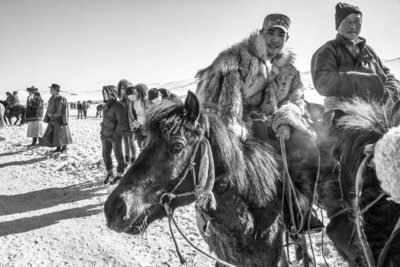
column 242, row 86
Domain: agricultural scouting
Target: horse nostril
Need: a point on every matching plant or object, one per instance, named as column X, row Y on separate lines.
column 120, row 209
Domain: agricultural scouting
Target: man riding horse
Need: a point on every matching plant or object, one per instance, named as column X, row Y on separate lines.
column 257, row 91
column 13, row 108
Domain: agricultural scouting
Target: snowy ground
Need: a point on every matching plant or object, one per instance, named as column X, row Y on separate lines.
column 51, row 210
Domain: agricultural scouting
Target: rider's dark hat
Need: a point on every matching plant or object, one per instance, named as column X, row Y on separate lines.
column 55, row 86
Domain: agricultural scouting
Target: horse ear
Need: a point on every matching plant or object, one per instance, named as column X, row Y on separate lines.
column 192, row 106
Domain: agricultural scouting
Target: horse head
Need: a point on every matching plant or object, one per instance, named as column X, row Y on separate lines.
column 175, row 167
column 363, row 131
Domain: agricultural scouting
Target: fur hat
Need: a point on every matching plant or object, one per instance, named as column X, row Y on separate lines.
column 122, row 84
column 276, row 21
column 55, row 86
column 111, row 92
column 153, row 93
column 343, row 10
column 142, row 91
column 387, row 162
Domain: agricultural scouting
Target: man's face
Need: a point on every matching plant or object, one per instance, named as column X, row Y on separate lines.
column 53, row 91
column 275, row 39
column 350, row 27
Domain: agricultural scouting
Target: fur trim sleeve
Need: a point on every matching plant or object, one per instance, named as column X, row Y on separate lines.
column 289, row 89
column 291, row 114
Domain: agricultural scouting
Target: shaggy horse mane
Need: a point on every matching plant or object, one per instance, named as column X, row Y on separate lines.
column 364, row 123
column 249, row 166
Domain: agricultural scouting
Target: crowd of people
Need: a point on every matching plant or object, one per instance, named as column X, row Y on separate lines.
column 254, row 87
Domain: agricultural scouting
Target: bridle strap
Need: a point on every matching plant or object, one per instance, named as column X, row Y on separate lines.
column 190, row 166
column 171, row 218
column 357, row 213
column 167, row 197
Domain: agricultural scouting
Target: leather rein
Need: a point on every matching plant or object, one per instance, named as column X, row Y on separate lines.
column 167, row 197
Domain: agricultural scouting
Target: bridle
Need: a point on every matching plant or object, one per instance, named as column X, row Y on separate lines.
column 167, row 197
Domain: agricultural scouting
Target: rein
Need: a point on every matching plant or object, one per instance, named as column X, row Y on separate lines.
column 167, row 197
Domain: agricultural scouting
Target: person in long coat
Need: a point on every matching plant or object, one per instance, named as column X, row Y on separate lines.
column 57, row 132
column 34, row 114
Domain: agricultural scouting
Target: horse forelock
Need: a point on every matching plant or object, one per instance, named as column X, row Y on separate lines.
column 166, row 120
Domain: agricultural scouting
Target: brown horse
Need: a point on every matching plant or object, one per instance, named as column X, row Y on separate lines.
column 238, row 210
column 357, row 124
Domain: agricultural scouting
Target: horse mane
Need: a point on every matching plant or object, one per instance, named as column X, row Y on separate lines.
column 249, row 166
column 365, row 122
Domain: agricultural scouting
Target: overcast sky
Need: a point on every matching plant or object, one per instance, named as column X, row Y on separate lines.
column 85, row 44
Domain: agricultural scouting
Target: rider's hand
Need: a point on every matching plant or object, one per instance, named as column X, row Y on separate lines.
column 284, row 131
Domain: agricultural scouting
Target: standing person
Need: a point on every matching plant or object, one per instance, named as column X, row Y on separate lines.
column 255, row 88
column 57, row 133
column 138, row 110
column 131, row 148
column 34, row 114
column 85, row 107
column 112, row 128
column 79, row 107
column 346, row 66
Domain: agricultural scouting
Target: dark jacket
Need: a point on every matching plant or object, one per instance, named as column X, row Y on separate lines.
column 336, row 72
column 114, row 118
column 34, row 108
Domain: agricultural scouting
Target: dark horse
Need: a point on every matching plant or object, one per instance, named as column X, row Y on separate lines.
column 235, row 184
column 357, row 124
column 99, row 110
column 19, row 112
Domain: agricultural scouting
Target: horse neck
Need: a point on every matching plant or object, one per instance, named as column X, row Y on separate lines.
column 241, row 233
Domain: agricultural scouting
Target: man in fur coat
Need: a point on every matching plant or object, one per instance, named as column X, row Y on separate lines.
column 256, row 90
column 57, row 133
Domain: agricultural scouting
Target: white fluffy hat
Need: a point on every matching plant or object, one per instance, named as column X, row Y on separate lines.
column 387, row 162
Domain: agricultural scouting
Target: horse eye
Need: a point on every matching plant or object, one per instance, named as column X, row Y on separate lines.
column 177, row 147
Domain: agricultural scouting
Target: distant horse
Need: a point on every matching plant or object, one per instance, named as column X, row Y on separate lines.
column 357, row 124
column 99, row 110
column 19, row 112
column 191, row 156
